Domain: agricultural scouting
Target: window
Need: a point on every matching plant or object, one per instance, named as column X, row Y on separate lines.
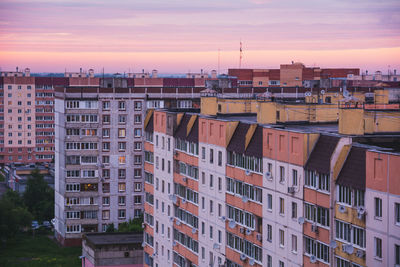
column 137, row 105
column 121, row 133
column 121, row 200
column 294, row 177
column 281, row 238
column 281, row 174
column 106, row 119
column 138, row 119
column 294, row 243
column 137, row 132
column 121, row 160
column 317, row 181
column 121, row 187
column 219, row 158
column 397, row 254
column 269, row 233
column 344, row 194
column 316, row 248
column 138, row 187
column 106, row 201
column 269, row 202
column 106, row 146
column 241, row 189
column 294, row 210
column 211, row 232
column 378, row 207
column 121, row 105
column 211, row 206
column 106, row 105
column 378, row 247
column 316, row 214
column 137, row 146
column 281, row 206
column 397, row 213
column 121, row 173
column 121, row 214
column 203, row 153
column 122, row 119
column 281, row 264
column 137, row 159
column 211, row 181
column 121, row 146
column 219, row 184
column 211, row 156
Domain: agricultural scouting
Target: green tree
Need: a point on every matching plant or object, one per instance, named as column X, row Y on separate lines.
column 13, row 215
column 39, row 197
column 133, row 225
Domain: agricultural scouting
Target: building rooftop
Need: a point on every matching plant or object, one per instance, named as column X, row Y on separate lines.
column 101, row 239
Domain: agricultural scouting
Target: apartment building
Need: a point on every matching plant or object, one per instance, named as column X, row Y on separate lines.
column 291, row 75
column 263, row 190
column 382, row 203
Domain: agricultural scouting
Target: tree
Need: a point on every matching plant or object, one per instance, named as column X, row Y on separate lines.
column 133, row 225
column 39, row 197
column 13, row 215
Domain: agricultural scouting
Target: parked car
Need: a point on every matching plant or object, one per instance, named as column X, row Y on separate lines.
column 35, row 225
column 46, row 224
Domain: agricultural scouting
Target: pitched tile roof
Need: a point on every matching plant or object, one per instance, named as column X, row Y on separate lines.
column 354, row 169
column 320, row 157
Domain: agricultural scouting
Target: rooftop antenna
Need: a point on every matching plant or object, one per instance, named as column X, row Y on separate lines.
column 241, row 54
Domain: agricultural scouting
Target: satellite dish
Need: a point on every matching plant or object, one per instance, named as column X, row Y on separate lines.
column 193, row 230
column 245, row 199
column 301, row 220
column 268, row 175
column 178, row 222
column 342, row 209
column 333, row 244
column 174, row 199
column 243, row 256
column 174, row 243
column 251, row 262
column 223, row 218
column 143, row 245
column 313, row 259
column 248, row 231
column 171, row 197
column 171, row 219
column 361, row 210
column 346, row 93
column 216, row 246
column 349, row 249
column 322, row 92
column 183, row 200
column 247, row 172
column 232, row 224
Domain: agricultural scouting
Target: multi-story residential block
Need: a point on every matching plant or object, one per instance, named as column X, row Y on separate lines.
column 283, row 188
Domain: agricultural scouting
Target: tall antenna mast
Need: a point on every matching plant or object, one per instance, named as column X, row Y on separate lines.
column 219, row 59
column 241, row 55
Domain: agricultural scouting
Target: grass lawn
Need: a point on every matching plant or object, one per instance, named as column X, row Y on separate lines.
column 24, row 250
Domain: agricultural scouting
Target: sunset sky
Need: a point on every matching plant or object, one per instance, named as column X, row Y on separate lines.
column 178, row 36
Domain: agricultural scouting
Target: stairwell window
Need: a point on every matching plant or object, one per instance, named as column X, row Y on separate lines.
column 281, row 174
column 378, row 208
column 378, row 247
column 294, row 176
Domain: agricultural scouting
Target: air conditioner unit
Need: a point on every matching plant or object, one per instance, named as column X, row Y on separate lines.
column 259, row 237
column 360, row 253
column 313, row 259
column 243, row 257
column 241, row 229
column 268, row 175
column 291, row 189
column 314, row 228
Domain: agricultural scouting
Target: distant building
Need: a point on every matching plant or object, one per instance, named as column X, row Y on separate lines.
column 17, row 176
column 112, row 250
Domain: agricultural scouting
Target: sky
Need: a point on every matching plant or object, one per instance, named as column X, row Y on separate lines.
column 175, row 36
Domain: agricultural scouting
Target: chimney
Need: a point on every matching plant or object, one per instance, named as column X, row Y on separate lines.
column 91, row 73
column 154, row 74
column 27, row 72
